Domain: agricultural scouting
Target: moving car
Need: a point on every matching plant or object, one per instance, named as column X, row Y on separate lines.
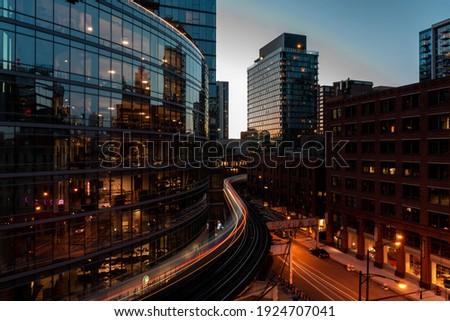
column 447, row 283
column 282, row 234
column 320, row 253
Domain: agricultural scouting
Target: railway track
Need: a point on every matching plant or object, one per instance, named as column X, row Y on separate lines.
column 226, row 271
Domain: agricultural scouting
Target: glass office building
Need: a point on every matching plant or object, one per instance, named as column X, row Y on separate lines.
column 282, row 89
column 197, row 19
column 91, row 191
column 223, row 109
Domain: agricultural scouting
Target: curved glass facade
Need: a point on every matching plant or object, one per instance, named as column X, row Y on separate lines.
column 198, row 18
column 90, row 93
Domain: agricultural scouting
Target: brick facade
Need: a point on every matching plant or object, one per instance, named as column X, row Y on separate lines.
column 398, row 181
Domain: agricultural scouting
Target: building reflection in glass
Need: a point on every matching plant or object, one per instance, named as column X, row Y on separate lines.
column 70, row 227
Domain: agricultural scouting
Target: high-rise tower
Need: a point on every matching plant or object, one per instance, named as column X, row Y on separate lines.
column 282, row 89
column 434, row 55
column 222, row 109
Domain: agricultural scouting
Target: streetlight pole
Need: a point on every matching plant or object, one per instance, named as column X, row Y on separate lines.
column 360, row 284
column 368, row 276
column 291, row 279
column 421, row 267
column 367, row 272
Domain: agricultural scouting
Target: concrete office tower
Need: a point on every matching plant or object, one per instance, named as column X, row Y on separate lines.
column 282, row 89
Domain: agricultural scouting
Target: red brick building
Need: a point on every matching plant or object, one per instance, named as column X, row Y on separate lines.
column 397, row 182
column 287, row 182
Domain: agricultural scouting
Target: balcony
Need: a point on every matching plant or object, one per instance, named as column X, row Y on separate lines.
column 445, row 36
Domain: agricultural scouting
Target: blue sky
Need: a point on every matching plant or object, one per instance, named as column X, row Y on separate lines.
column 359, row 39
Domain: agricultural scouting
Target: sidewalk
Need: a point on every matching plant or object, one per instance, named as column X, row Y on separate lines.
column 360, row 265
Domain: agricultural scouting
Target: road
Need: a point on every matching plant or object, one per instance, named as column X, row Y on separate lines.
column 325, row 279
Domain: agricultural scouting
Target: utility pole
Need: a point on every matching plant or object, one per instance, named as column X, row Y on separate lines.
column 421, row 267
column 290, row 262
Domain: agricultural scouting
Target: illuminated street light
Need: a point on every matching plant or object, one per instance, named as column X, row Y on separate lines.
column 367, row 277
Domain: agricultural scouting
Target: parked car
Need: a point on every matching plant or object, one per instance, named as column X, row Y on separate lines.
column 79, row 230
column 320, row 253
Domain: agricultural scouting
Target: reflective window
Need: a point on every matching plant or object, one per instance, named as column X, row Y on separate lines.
column 44, row 10
column 24, row 56
column 92, row 68
column 77, row 17
column 61, row 60
column 105, row 71
column 146, row 42
column 92, row 27
column 44, row 54
column 76, row 108
column 127, row 35
column 137, row 38
column 105, row 25
column 7, row 48
column 62, row 18
column 26, row 7
column 77, row 61
column 116, row 31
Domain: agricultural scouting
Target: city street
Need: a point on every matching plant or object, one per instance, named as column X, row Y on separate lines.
column 326, row 279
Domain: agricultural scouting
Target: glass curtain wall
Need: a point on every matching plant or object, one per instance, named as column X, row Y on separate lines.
column 91, row 96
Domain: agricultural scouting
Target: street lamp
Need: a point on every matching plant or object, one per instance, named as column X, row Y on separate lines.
column 368, row 275
column 421, row 268
column 400, row 284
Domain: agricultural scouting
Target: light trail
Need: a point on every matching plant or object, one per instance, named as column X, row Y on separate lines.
column 327, row 281
column 230, row 234
column 318, row 281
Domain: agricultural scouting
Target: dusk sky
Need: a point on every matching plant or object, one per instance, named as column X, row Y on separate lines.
column 366, row 40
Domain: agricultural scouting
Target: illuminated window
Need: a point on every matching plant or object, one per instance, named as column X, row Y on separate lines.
column 368, row 167
column 388, row 168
